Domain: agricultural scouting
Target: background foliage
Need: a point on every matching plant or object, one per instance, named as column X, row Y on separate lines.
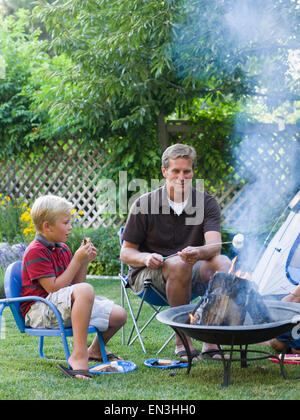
column 103, row 72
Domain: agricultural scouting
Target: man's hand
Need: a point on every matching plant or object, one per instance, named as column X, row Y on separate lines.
column 154, row 261
column 190, row 255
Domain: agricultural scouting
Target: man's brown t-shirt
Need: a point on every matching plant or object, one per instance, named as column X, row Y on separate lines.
column 155, row 228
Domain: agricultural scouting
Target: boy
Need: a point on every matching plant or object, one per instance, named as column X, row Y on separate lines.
column 49, row 271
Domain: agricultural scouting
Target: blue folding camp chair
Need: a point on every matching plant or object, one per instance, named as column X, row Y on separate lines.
column 151, row 295
column 12, row 287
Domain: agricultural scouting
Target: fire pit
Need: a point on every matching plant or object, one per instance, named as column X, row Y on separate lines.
column 287, row 316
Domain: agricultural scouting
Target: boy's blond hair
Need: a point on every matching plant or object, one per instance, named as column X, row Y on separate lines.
column 48, row 208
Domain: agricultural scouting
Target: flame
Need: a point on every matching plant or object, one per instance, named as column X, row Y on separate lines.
column 242, row 275
column 191, row 318
column 238, row 273
column 230, row 271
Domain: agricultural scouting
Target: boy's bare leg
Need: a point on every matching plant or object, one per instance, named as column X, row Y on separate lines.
column 117, row 319
column 83, row 299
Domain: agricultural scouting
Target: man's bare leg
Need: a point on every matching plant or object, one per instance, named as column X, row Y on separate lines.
column 178, row 289
column 207, row 269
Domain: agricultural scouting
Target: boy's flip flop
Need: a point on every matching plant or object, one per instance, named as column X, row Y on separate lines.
column 111, row 357
column 70, row 373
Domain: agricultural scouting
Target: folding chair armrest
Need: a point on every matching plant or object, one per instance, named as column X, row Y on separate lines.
column 9, row 301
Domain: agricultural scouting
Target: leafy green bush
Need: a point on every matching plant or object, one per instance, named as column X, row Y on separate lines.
column 106, row 240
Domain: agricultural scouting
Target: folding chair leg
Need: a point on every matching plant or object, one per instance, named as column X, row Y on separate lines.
column 134, row 321
column 144, row 326
column 136, row 318
column 123, row 306
column 166, row 343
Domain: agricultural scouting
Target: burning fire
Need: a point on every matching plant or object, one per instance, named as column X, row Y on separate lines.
column 191, row 318
column 238, row 273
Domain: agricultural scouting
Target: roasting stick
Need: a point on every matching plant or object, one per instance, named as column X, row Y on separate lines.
column 237, row 242
column 197, row 247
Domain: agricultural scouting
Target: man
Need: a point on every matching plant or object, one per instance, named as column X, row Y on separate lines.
column 176, row 218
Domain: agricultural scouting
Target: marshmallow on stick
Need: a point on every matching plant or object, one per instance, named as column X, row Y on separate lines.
column 238, row 241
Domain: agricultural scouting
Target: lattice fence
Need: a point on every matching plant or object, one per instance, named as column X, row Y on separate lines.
column 67, row 171
column 63, row 170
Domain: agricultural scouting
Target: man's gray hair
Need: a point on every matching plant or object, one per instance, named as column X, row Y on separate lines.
column 179, row 150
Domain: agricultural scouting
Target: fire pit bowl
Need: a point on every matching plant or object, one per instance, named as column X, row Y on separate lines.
column 178, row 317
column 286, row 316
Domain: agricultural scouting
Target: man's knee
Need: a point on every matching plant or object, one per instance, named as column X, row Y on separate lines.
column 217, row 263
column 178, row 270
column 220, row 263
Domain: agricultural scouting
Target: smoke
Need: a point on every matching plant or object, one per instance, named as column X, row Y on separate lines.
column 268, row 156
column 258, row 37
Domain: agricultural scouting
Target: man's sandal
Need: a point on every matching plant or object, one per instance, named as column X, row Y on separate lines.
column 111, row 357
column 210, row 355
column 183, row 354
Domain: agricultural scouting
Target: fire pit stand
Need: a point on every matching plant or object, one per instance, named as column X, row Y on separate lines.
column 243, row 359
column 238, row 338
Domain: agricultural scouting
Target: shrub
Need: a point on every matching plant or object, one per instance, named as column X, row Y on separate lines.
column 106, row 240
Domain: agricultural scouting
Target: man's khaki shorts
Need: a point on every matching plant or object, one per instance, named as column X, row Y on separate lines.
column 157, row 280
column 41, row 315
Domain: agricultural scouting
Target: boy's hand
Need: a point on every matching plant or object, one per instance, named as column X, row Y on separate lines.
column 86, row 253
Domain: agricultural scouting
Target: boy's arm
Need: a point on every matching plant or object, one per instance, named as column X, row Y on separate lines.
column 80, row 276
column 79, row 261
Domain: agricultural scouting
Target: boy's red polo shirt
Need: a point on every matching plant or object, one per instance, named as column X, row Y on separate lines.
column 41, row 259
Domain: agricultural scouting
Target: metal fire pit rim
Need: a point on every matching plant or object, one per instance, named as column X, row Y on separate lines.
column 185, row 309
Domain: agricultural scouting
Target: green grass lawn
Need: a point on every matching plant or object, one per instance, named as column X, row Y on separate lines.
column 23, row 375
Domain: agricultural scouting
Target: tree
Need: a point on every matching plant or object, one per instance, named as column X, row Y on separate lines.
column 20, row 120
column 123, row 66
column 136, row 61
